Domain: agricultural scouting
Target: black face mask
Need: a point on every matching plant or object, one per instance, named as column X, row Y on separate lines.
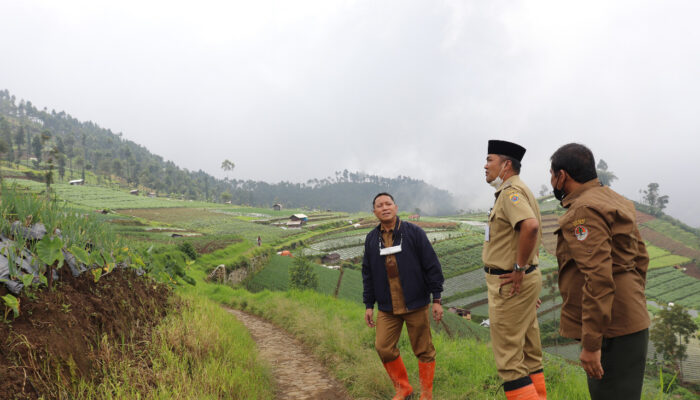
column 558, row 193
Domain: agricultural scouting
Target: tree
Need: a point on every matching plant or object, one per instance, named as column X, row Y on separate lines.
column 672, row 328
column 302, row 275
column 3, row 149
column 61, row 161
column 19, row 139
column 83, row 140
column 653, row 199
column 29, row 143
column 606, row 177
column 69, row 152
column 227, row 165
column 6, row 135
column 226, row 197
column 544, row 190
column 37, row 147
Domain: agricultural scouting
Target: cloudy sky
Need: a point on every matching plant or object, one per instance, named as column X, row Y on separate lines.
column 293, row 90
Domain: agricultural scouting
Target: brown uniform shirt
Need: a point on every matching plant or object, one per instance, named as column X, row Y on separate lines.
column 514, row 203
column 392, row 272
column 602, row 266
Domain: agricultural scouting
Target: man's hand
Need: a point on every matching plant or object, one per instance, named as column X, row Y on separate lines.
column 369, row 317
column 437, row 312
column 590, row 361
column 512, row 277
column 538, row 303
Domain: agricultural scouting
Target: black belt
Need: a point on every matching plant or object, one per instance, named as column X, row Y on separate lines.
column 498, row 271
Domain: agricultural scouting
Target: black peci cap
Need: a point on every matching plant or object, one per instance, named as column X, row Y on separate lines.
column 506, row 149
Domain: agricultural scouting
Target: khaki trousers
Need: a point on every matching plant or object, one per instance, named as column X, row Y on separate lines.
column 515, row 333
column 389, row 328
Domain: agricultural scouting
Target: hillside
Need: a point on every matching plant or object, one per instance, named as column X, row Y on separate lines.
column 41, row 140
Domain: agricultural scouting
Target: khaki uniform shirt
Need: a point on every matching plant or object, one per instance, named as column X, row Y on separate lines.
column 392, row 272
column 602, row 266
column 514, row 203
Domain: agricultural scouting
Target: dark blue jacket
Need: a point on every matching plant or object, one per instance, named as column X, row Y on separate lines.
column 420, row 272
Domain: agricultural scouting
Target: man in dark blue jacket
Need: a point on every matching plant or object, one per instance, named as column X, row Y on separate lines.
column 400, row 271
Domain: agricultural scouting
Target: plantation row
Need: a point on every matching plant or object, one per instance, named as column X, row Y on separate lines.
column 97, row 197
column 671, row 285
column 468, row 240
column 674, row 232
column 465, row 301
column 458, row 263
column 464, row 283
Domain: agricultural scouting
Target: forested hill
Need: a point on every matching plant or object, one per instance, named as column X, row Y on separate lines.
column 42, row 139
column 347, row 191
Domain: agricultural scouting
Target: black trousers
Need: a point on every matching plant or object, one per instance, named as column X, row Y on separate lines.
column 623, row 359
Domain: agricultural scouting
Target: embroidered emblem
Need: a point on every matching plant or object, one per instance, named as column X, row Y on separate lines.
column 515, row 198
column 581, row 232
column 578, row 222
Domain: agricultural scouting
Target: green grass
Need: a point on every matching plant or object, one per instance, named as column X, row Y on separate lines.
column 199, row 352
column 656, row 252
column 667, row 261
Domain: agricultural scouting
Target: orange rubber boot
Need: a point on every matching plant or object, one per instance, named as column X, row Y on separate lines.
column 399, row 377
column 426, row 371
column 538, row 381
column 524, row 393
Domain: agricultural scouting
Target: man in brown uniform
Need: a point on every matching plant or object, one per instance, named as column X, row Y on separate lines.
column 602, row 273
column 400, row 271
column 514, row 282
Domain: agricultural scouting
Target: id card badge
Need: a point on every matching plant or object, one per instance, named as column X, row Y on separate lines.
column 487, row 233
column 387, row 251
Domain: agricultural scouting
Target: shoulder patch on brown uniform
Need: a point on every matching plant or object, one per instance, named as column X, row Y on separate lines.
column 581, row 232
column 514, row 197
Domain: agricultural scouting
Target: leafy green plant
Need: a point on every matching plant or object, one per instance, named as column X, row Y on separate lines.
column 11, row 304
column 48, row 249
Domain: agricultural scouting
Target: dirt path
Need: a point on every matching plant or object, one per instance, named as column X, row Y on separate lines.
column 298, row 375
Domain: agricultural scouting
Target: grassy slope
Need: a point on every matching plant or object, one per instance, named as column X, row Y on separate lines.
column 201, row 352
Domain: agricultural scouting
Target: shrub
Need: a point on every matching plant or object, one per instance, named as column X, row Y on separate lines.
column 188, row 249
column 302, row 275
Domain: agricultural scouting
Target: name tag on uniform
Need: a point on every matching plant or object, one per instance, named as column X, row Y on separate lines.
column 487, row 233
column 387, row 251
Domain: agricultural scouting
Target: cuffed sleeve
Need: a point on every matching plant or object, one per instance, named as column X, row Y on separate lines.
column 589, row 239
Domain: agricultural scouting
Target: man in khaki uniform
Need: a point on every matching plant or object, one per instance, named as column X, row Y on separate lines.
column 511, row 244
column 602, row 273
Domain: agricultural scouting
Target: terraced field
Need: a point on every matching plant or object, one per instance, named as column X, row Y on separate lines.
column 671, row 285
column 672, row 231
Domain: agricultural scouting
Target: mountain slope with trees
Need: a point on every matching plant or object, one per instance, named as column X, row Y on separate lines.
column 62, row 147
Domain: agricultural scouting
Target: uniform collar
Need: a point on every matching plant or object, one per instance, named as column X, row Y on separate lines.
column 396, row 226
column 571, row 197
column 513, row 180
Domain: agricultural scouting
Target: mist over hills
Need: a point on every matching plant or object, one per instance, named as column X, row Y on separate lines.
column 42, row 138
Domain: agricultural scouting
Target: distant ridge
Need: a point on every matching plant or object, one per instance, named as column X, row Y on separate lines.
column 77, row 146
